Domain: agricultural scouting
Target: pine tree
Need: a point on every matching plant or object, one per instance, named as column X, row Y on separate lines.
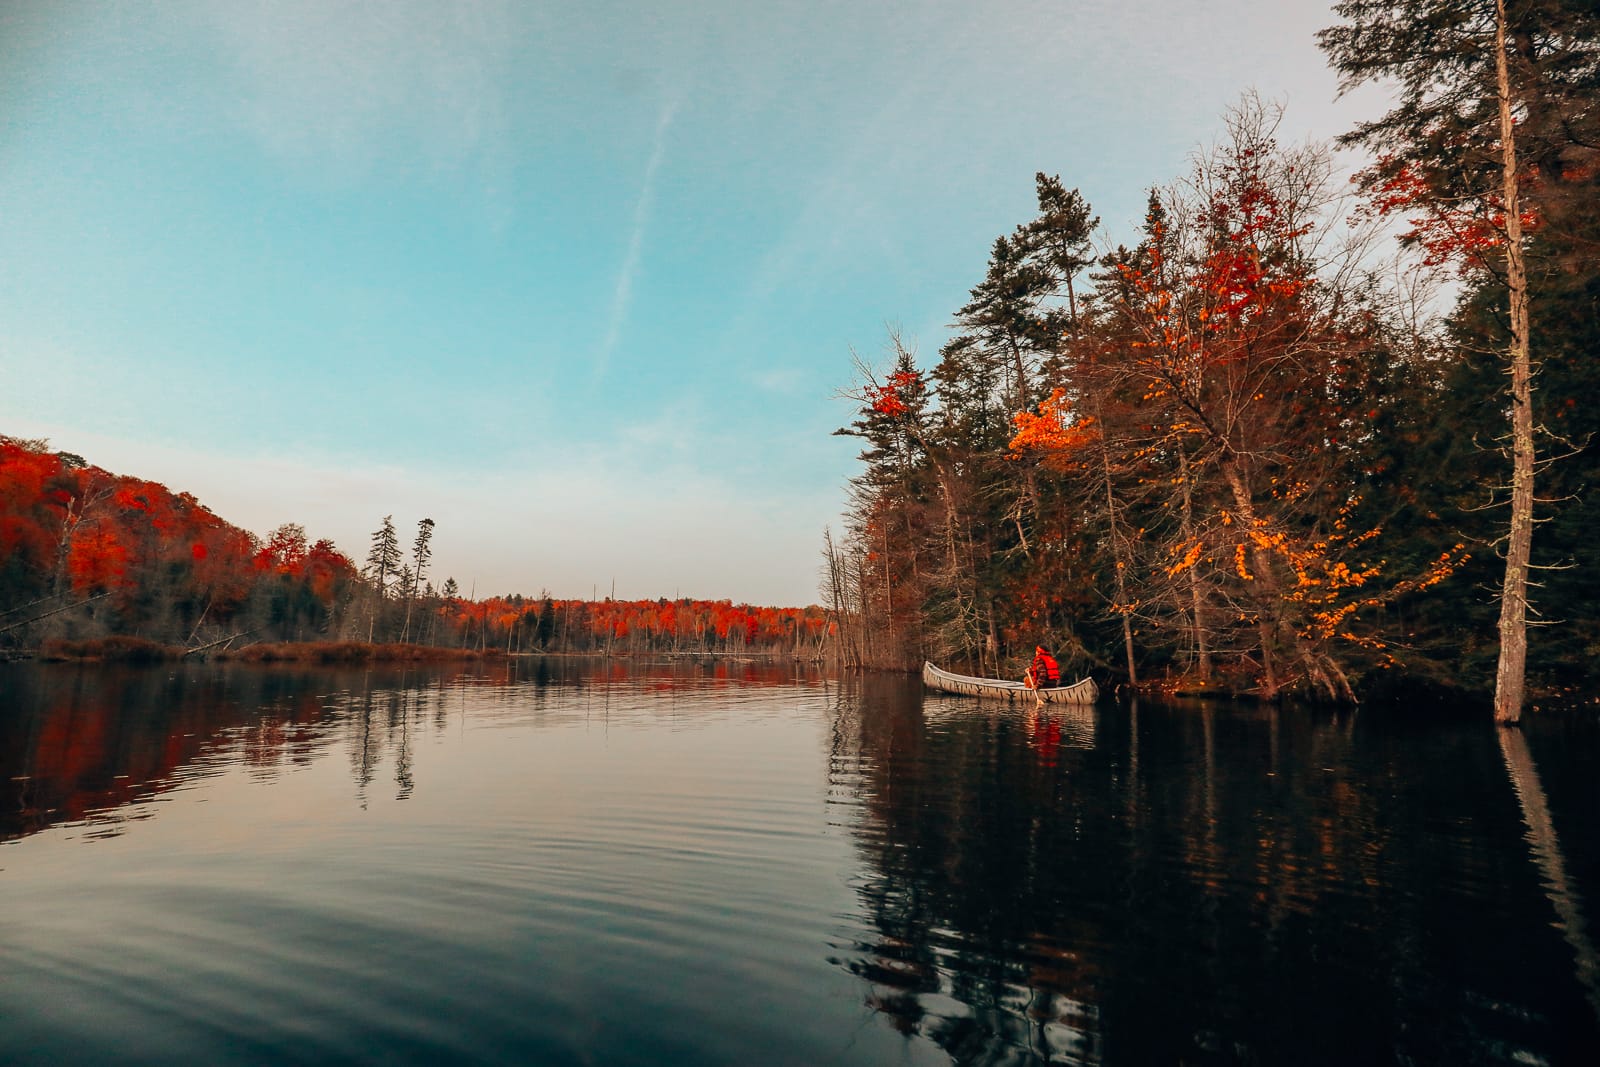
column 421, row 552
column 1059, row 239
column 383, row 560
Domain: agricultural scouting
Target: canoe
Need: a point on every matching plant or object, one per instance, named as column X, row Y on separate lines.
column 1083, row 691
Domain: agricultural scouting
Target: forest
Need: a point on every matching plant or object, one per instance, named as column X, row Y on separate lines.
column 1303, row 433
column 86, row 554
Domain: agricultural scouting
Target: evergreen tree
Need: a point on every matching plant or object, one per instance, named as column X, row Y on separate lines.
column 421, row 548
column 1059, row 240
column 421, row 552
column 383, row 558
column 383, row 561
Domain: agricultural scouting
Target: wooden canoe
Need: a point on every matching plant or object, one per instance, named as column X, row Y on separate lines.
column 1083, row 691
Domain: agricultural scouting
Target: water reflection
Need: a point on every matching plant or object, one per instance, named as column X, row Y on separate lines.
column 1545, row 844
column 86, row 742
column 556, row 863
column 647, row 862
column 1202, row 885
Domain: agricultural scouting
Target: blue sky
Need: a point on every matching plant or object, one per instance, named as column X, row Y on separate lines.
column 579, row 281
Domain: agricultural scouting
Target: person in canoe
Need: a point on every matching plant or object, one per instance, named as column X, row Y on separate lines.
column 1044, row 672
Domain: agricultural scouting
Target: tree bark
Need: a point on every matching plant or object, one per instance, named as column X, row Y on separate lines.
column 1510, row 674
column 1118, row 557
column 1202, row 646
column 1267, row 622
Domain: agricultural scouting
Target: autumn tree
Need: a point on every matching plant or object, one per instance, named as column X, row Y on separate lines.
column 1175, row 461
column 33, row 496
column 1252, row 334
column 95, row 553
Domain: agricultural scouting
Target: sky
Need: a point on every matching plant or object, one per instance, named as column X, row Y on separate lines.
column 579, row 281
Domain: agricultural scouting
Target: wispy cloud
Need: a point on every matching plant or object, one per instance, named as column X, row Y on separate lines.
column 622, row 296
column 352, row 86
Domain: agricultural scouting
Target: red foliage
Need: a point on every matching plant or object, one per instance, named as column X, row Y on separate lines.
column 100, row 532
column 31, row 504
column 108, row 533
column 892, row 398
column 98, row 561
column 1446, row 229
column 636, row 624
column 285, row 551
column 325, row 567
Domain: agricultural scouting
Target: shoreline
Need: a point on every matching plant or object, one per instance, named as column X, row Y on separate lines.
column 136, row 650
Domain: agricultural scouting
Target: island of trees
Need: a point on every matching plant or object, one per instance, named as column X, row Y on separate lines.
column 1261, row 447
column 87, row 555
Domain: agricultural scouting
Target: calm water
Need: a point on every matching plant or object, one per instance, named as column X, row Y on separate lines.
column 568, row 863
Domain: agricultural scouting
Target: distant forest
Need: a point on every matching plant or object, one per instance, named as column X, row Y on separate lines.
column 1261, row 445
column 87, row 554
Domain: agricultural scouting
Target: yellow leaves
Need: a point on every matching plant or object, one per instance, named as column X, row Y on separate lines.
column 1239, row 564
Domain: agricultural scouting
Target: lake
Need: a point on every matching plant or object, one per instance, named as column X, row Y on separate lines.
column 707, row 862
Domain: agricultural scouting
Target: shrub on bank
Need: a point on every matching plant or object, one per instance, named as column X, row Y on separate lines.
column 108, row 649
column 343, row 652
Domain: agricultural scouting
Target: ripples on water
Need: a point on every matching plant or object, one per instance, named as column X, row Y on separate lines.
column 565, row 862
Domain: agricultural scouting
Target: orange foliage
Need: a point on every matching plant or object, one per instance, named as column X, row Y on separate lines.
column 1053, row 433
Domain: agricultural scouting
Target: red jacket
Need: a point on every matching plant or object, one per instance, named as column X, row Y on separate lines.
column 1045, row 670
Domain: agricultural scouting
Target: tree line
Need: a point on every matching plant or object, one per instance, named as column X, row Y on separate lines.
column 86, row 554
column 1258, row 447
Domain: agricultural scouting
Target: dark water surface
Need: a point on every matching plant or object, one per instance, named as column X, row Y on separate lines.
column 561, row 862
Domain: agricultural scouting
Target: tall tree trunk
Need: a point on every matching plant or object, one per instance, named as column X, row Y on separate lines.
column 1266, row 624
column 888, row 589
column 1201, row 642
column 1510, row 675
column 863, row 595
column 1118, row 555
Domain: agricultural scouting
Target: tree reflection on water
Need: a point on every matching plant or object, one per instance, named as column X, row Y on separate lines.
column 973, row 948
column 85, row 743
column 1164, row 884
column 1141, row 884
